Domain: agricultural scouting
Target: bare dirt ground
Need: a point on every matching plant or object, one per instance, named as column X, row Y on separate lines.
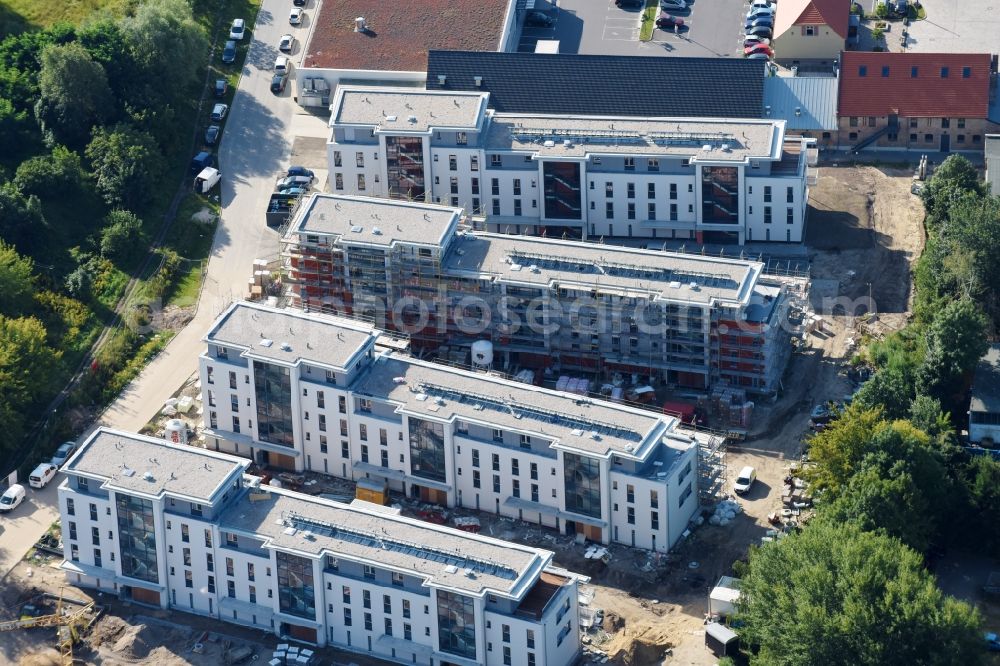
column 864, row 229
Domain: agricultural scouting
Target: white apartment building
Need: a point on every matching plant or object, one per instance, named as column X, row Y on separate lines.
column 704, row 179
column 183, row 528
column 306, row 391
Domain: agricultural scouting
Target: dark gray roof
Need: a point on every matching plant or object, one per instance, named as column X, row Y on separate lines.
column 605, row 85
column 986, row 384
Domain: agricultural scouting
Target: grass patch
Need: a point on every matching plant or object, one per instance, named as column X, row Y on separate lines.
column 649, row 15
column 16, row 16
column 191, row 238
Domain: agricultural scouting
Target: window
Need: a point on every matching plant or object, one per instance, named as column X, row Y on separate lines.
column 790, row 194
column 361, row 181
column 72, row 531
column 185, row 534
column 359, row 158
column 338, row 180
column 229, row 566
column 928, row 138
column 652, row 164
column 347, row 617
column 476, row 478
column 496, row 483
column 386, row 604
column 516, row 492
column 211, row 584
column 363, row 432
column 684, row 495
column 495, row 160
column 475, row 204
column 364, row 453
column 250, row 571
column 966, row 72
column 767, row 193
column 630, row 494
column 452, row 163
column 913, row 137
column 863, row 70
column 944, row 72
column 960, row 138
column 186, row 554
column 368, row 621
column 474, row 163
column 345, row 593
column 767, row 215
column 885, row 71
column 388, row 627
column 630, row 164
column 231, row 589
column 253, row 594
column 506, row 655
column 496, row 206
column 369, row 571
column 336, row 158
column 517, row 187
column 673, row 212
column 630, row 190
column 914, row 72
column 854, row 121
column 93, row 511
column 517, row 207
column 209, row 562
column 232, row 540
column 70, row 507
column 496, row 462
column 407, row 632
column 74, row 552
column 609, row 210
column 366, row 598
column 654, row 520
column 945, row 123
column 397, row 579
column 630, row 211
column 960, row 123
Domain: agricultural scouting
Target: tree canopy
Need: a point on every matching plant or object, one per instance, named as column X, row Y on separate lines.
column 837, row 595
column 74, row 94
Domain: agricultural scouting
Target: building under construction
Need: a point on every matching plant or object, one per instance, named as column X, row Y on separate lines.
column 548, row 306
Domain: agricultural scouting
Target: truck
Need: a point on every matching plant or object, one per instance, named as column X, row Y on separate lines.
column 206, row 179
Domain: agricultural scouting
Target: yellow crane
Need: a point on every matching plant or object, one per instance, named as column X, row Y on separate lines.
column 67, row 626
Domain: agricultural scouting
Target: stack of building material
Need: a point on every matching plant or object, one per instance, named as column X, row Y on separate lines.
column 260, row 281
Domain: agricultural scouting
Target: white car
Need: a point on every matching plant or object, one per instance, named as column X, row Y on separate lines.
column 281, row 64
column 237, row 30
column 286, row 44
column 745, row 480
column 756, row 12
column 295, row 17
column 42, row 474
column 12, row 498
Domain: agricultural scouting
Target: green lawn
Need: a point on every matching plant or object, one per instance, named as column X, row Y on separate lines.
column 649, row 15
column 19, row 15
column 191, row 238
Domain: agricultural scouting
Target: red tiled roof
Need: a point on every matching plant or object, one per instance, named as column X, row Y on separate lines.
column 832, row 13
column 926, row 95
column 401, row 32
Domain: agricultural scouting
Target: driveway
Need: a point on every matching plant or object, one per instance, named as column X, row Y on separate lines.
column 256, row 145
column 26, row 524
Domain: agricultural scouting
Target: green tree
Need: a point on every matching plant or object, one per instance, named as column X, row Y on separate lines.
column 21, row 221
column 122, row 237
column 167, row 40
column 26, row 361
column 837, row 450
column 956, row 340
column 17, row 281
column 983, row 486
column 891, row 389
column 12, row 122
column 79, row 283
column 47, row 174
column 126, row 164
column 74, row 94
column 927, row 415
column 955, row 177
column 835, row 595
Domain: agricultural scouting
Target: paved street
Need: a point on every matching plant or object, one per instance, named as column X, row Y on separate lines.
column 256, row 144
column 23, row 526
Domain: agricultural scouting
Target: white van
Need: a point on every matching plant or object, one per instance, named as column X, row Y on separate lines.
column 44, row 473
column 12, row 498
column 745, row 480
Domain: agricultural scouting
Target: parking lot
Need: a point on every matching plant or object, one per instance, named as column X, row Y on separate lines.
column 951, row 26
column 712, row 29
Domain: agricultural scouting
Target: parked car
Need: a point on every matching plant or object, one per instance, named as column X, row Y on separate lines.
column 758, row 56
column 758, row 48
column 278, row 82
column 295, row 191
column 295, row 16
column 281, row 64
column 630, row 4
column 294, row 181
column 201, row 161
column 62, row 454
column 229, row 52
column 751, row 40
column 745, row 480
column 11, row 498
column 219, row 112
column 299, row 3
column 668, row 22
column 764, row 20
column 301, row 171
column 759, row 31
column 673, row 4
column 761, row 3
column 538, row 20
column 212, row 135
column 760, row 11
column 42, row 474
column 237, row 30
column 286, row 44
column 221, row 87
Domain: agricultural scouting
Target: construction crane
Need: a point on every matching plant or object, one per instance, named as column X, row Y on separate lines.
column 67, row 626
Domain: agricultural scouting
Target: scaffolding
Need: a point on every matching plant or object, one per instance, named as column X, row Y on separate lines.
column 711, row 467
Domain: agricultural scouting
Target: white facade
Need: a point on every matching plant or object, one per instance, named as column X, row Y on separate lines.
column 648, row 178
column 367, row 427
column 379, row 595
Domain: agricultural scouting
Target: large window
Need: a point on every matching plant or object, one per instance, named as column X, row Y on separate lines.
column 583, row 485
column 562, row 190
column 456, row 624
column 296, row 594
column 272, row 385
column 427, row 449
column 404, row 161
column 720, row 199
column 137, row 538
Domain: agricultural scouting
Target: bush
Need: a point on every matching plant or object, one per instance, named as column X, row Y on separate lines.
column 49, row 174
column 122, row 239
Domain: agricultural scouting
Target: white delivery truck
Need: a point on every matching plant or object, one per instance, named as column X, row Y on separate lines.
column 206, row 180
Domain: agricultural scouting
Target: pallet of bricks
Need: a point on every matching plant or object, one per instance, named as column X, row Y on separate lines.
column 730, row 407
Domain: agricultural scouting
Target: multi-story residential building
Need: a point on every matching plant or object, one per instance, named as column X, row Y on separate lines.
column 915, row 101
column 572, row 176
column 552, row 305
column 443, row 435
column 183, row 528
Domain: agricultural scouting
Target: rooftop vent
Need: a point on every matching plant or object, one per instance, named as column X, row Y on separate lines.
column 148, row 476
column 478, row 80
column 469, row 573
column 360, row 25
column 390, row 119
column 357, row 229
column 798, row 110
column 286, row 347
column 441, row 79
column 707, row 147
column 549, row 143
column 451, row 568
column 412, row 118
column 567, row 142
column 594, row 434
column 693, row 285
column 266, row 343
column 725, row 147
column 399, row 380
column 576, row 433
column 377, row 231
column 127, row 471
column 290, row 531
column 533, row 268
column 675, row 285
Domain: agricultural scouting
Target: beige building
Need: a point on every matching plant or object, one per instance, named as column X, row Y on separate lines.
column 810, row 30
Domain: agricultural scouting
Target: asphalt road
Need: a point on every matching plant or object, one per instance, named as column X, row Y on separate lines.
column 255, row 145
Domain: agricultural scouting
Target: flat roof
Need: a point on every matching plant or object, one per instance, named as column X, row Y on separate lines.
column 290, row 336
column 804, row 102
column 721, row 139
column 550, row 262
column 372, row 221
column 986, row 383
column 442, row 393
column 151, row 466
column 398, row 110
column 444, row 556
column 400, row 34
